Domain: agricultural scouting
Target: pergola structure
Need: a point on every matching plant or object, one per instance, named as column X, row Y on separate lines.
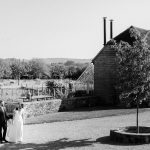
column 87, row 77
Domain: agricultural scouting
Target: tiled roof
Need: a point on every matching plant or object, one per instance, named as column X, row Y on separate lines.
column 126, row 37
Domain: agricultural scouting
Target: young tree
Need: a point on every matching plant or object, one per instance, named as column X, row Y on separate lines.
column 38, row 68
column 58, row 71
column 2, row 68
column 16, row 69
column 133, row 70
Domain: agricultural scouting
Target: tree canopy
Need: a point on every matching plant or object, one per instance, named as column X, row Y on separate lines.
column 132, row 69
column 36, row 68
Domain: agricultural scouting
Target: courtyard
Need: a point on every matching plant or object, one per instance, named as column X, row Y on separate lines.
column 85, row 134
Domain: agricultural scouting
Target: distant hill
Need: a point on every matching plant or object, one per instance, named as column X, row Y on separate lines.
column 63, row 60
column 55, row 60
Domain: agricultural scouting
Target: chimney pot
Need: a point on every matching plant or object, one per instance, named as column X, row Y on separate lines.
column 104, row 20
column 111, row 28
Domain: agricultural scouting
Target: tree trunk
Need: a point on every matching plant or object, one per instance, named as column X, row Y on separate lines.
column 18, row 79
column 137, row 115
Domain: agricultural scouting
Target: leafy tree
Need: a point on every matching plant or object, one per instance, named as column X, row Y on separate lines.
column 25, row 70
column 12, row 68
column 2, row 68
column 79, row 71
column 133, row 70
column 58, row 71
column 38, row 68
column 7, row 71
column 71, row 71
column 16, row 69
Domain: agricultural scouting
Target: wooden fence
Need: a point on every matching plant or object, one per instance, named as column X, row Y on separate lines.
column 13, row 94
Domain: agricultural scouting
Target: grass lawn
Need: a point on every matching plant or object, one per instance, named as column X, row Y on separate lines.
column 80, row 114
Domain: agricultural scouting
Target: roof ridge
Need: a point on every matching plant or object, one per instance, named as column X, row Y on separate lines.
column 139, row 28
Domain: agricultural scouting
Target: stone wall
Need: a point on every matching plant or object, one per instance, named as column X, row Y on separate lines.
column 38, row 108
column 79, row 102
column 41, row 107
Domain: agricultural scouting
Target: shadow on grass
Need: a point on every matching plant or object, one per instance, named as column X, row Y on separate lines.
column 92, row 108
column 61, row 144
column 53, row 145
column 107, row 140
column 97, row 108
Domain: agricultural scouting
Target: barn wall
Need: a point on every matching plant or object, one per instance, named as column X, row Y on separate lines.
column 104, row 65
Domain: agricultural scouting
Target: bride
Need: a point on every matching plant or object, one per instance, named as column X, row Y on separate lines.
column 15, row 126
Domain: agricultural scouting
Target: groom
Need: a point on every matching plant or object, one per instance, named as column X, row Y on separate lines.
column 3, row 122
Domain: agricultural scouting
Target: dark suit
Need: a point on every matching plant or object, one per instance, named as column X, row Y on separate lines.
column 3, row 123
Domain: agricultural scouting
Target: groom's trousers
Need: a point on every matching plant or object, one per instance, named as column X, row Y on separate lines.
column 3, row 127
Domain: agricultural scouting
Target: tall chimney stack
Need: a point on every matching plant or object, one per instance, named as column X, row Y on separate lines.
column 111, row 29
column 104, row 18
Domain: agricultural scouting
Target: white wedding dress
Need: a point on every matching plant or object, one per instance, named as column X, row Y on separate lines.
column 15, row 127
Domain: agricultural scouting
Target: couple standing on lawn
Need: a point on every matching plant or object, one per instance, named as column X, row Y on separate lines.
column 12, row 126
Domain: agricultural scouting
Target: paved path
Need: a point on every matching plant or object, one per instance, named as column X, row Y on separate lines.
column 90, row 134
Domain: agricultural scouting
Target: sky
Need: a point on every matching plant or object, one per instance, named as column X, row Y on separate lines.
column 64, row 28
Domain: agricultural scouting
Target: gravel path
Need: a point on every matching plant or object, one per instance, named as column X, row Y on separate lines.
column 90, row 134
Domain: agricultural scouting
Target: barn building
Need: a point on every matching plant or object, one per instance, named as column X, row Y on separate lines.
column 104, row 64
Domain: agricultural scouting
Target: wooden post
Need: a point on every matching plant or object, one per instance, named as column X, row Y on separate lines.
column 2, row 93
column 66, row 93
column 44, row 91
column 49, row 91
column 61, row 89
column 38, row 91
column 54, row 92
column 12, row 92
column 32, row 91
